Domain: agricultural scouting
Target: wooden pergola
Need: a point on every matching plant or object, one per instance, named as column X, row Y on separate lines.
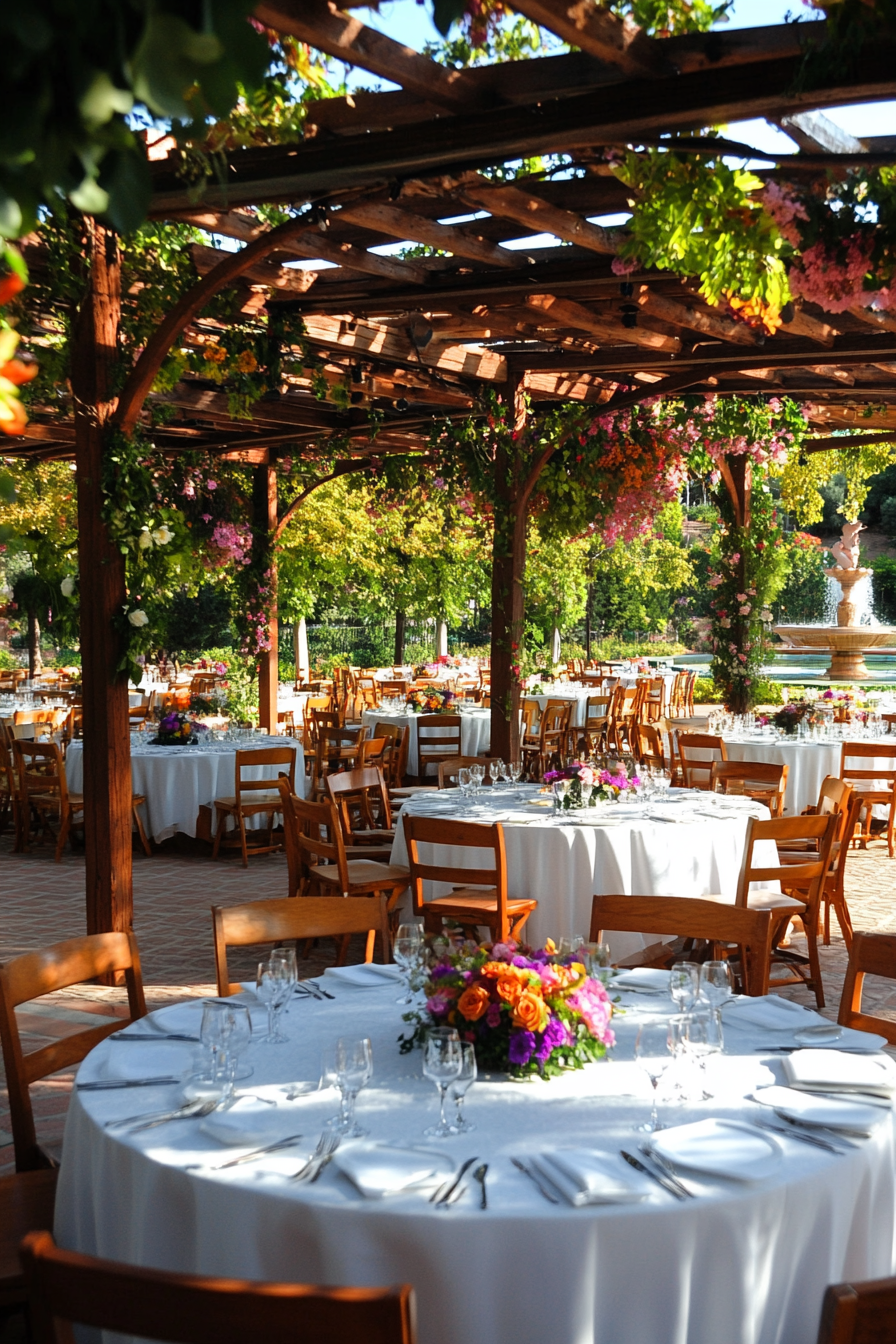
column 417, row 338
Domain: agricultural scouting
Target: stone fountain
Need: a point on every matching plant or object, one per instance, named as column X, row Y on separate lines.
column 847, row 641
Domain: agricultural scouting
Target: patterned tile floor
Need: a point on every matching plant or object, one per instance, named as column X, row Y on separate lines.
column 43, row 902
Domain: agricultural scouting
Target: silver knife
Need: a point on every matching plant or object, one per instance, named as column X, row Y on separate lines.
column 442, row 1194
column 259, row 1152
column 811, row 1139
column 527, row 1171
column 660, row 1177
column 107, row 1084
column 156, row 1037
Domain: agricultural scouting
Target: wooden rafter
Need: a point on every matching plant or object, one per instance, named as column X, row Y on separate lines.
column 586, row 25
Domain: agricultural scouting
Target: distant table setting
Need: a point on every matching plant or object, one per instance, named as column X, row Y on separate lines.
column 809, row 763
column 683, row 843
column 475, row 731
column 550, row 1217
column 177, row 781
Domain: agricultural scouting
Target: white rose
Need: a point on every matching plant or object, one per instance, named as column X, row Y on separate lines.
column 144, row 541
column 138, row 618
column 67, row 586
column 766, row 615
column 162, row 535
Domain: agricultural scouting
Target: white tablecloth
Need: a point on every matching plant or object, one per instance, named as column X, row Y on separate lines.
column 562, row 863
column 809, row 764
column 177, row 781
column 578, row 697
column 744, row 1263
column 475, row 732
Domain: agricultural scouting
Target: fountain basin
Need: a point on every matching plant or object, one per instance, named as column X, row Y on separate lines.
column 847, row 644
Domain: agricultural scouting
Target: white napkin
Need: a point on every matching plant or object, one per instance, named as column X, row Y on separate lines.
column 651, row 978
column 586, row 1177
column 369, row 975
column 376, row 1170
column 250, row 1121
column 719, row 1148
column 167, row 1059
column 807, row 1109
column 770, row 1012
column 838, row 1071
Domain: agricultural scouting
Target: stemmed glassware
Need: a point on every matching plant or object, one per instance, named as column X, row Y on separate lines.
column 464, row 780
column 653, row 1046
column 442, row 1062
column 214, row 1033
column 684, row 984
column 477, row 775
column 496, row 770
column 559, row 788
column 407, row 949
column 461, row 1086
column 716, row 986
column 274, row 984
column 349, row 1065
column 240, row 1036
column 514, row 771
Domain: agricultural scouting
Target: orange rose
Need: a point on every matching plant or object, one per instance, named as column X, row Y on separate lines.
column 474, row 1002
column 531, row 1011
column 509, row 989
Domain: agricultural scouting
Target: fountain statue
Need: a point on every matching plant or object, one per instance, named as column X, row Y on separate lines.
column 847, row 640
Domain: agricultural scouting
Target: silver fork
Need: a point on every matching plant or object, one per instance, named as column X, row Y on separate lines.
column 326, row 1146
column 193, row 1110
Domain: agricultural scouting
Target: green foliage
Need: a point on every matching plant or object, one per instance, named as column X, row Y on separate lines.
column 706, row 692
column 817, row 486
column 802, row 598
column 194, row 620
column 634, row 585
column 883, row 589
column 240, row 684
column 661, row 17
column 8, row 661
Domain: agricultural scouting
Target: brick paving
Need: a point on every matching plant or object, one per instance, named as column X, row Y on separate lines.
column 43, row 902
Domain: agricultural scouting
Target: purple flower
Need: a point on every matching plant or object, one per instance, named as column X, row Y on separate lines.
column 493, row 1015
column 522, row 1044
column 553, row 1036
column 438, row 1005
column 170, row 723
column 439, row 972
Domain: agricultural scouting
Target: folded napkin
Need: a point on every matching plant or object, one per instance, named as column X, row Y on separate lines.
column 651, row 978
column 839, row 1071
column 770, row 1012
column 586, row 1177
column 377, row 1170
column 250, row 1121
column 719, row 1148
column 165, row 1059
column 806, row 1109
column 369, row 975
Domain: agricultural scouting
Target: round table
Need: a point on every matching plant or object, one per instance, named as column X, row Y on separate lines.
column 177, row 781
column 744, row 1262
column 475, row 731
column 809, row 764
column 579, row 698
column 691, row 847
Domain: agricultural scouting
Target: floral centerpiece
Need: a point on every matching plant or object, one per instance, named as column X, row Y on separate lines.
column 526, row 1011
column 788, row 717
column 432, row 700
column 177, row 729
column 842, row 703
column 592, row 784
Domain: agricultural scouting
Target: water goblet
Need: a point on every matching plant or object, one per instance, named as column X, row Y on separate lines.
column 477, row 775
column 406, row 952
column 273, row 987
column 684, row 984
column 514, row 771
column 653, row 1046
column 559, row 788
column 596, row 958
column 464, row 780
column 703, row 1032
column 442, row 1063
column 496, row 770
column 214, row 1033
column 348, row 1064
column 716, row 986
column 461, row 1086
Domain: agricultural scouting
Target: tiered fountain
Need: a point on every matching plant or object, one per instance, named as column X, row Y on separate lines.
column 847, row 640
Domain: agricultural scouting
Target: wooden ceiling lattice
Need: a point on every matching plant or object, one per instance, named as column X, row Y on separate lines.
column 484, row 301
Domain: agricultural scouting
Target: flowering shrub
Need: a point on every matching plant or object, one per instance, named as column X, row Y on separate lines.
column 526, row 1011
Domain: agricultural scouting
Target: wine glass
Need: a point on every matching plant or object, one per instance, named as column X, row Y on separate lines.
column 464, row 780
column 716, row 986
column 566, row 946
column 240, row 1036
column 514, row 771
column 461, row 1086
column 653, row 1045
column 348, row 1064
column 703, row 1035
column 273, row 987
column 406, row 952
column 442, row 1062
column 559, row 788
column 596, row 957
column 684, row 984
column 477, row 775
column 496, row 770
column 214, row 1033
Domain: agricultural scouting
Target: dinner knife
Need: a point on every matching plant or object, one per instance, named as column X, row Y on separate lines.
column 156, row 1037
column 790, row 1133
column 441, row 1195
column 659, row 1176
column 527, row 1171
column 107, row 1084
column 260, row 1152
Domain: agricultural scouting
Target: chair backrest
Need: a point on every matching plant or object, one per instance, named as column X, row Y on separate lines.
column 280, row 921
column 807, row 877
column 66, row 1288
column 756, row 779
column 875, row 754
column 312, row 834
column 254, row 758
column 751, row 930
column 870, row 954
column 373, row 751
column 362, row 790
column 448, row 770
column 315, row 704
column 650, row 745
column 858, row 1313
column 530, row 713
column 597, row 707
column 438, row 739
column 40, row 769
column 34, row 974
column 465, row 835
column 696, row 752
column 555, row 719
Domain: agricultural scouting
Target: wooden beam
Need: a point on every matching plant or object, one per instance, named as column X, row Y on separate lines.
column 448, row 237
column 264, row 519
column 577, row 387
column 283, row 278
column 719, row 49
column 537, row 215
column 814, row 131
column 569, row 314
column 326, row 28
column 802, row 324
column 368, row 339
column 695, row 319
column 592, row 29
column 834, row 441
column 883, row 321
column 318, row 247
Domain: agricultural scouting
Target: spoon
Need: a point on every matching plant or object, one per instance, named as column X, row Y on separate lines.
column 479, row 1175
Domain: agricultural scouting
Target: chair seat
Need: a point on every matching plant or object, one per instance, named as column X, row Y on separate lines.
column 361, row 872
column 774, row 900
column 409, row 790
column 478, row 898
column 27, row 1201
column 369, row 838
column 252, row 802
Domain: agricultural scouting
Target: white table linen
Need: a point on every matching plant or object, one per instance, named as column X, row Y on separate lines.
column 746, row 1262
column 809, row 765
column 562, row 863
column 475, row 732
column 578, row 696
column 177, row 781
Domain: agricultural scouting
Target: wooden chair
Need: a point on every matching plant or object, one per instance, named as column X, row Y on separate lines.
column 764, row 782
column 594, row 729
column 448, row 770
column 650, row 748
column 286, row 920
column 35, row 974
column 722, row 926
column 363, row 805
column 315, row 704
column 622, row 717
column 438, row 739
column 864, row 780
column 372, row 752
column 393, row 688
column 44, row 795
column 858, row 1313
column 251, row 797
column 337, row 747
column 9, row 788
column 839, row 799
column 27, row 1202
column 870, row 954
column 504, row 916
column 318, row 860
column 654, row 702
column 696, row 770
column 551, row 744
column 65, row 1288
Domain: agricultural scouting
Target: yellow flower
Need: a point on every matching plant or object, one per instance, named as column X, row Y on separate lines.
column 215, row 354
column 247, row 363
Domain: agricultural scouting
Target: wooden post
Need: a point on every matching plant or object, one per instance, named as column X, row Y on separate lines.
column 737, row 475
column 508, row 600
column 264, row 500
column 107, row 742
